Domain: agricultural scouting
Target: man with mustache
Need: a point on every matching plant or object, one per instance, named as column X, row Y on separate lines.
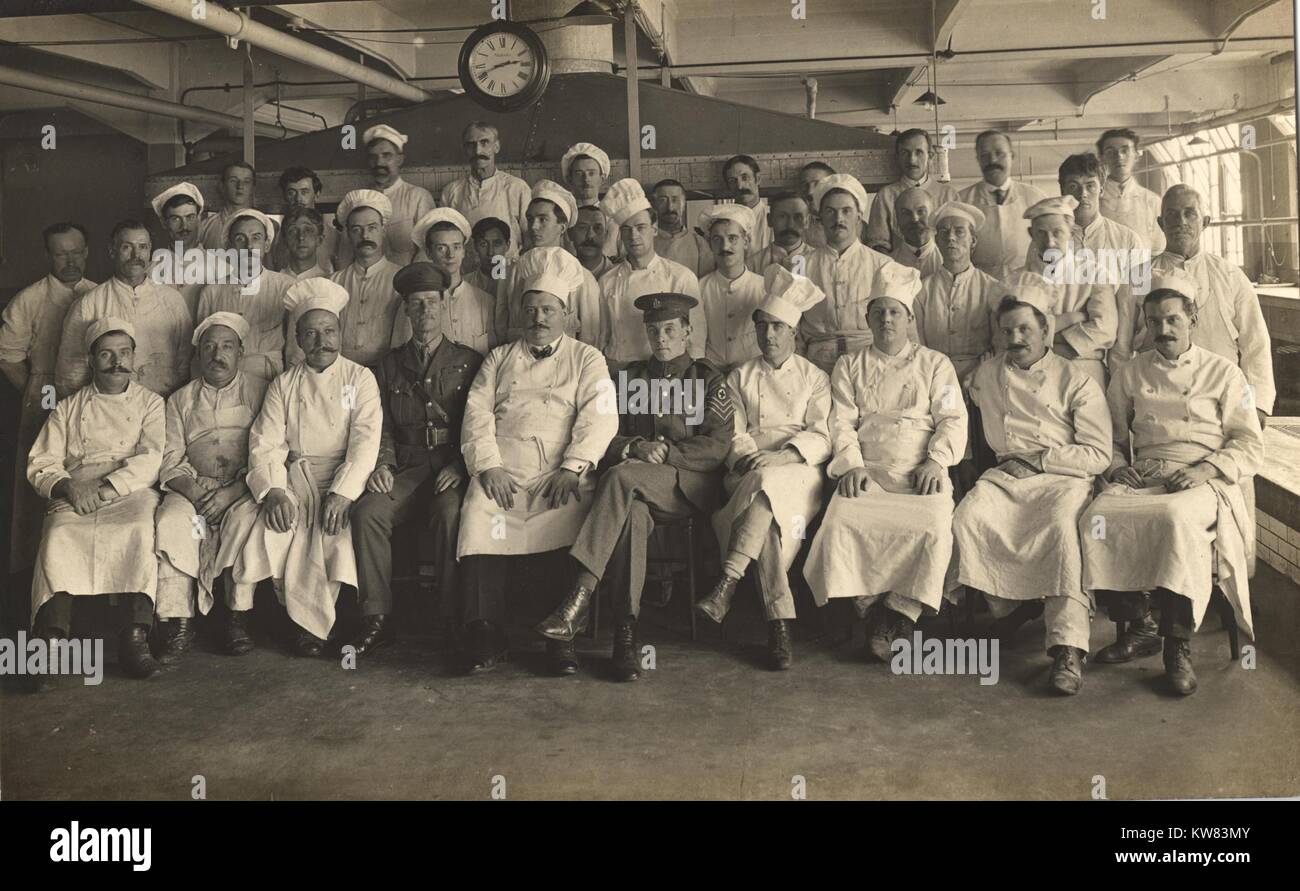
column 731, row 292
column 420, row 472
column 1001, row 241
column 163, row 324
column 809, row 175
column 203, row 468
column 674, row 239
column 385, row 155
column 302, row 232
column 913, row 151
column 740, row 173
column 30, row 330
column 898, row 424
column 588, row 236
column 237, row 187
column 262, row 349
column 96, row 460
column 468, row 313
column 642, row 272
column 300, row 187
column 1123, row 199
column 1016, row 531
column 779, row 444
column 1170, row 520
column 584, row 168
column 311, row 451
column 914, row 209
column 180, row 210
column 847, row 272
column 536, row 424
column 662, row 465
column 486, row 191
column 789, row 218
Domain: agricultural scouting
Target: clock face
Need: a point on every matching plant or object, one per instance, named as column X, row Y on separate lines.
column 502, row 65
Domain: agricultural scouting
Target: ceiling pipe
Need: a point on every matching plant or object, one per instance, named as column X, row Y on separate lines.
column 239, row 26
column 85, row 92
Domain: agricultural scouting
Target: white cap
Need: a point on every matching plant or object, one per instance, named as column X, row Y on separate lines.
column 550, row 269
column 1028, row 286
column 844, row 182
column 1060, row 204
column 624, row 199
column 232, row 320
column 1175, row 279
column 377, row 201
column 433, row 218
column 383, row 131
column 577, row 150
column 102, row 326
column 551, row 191
column 788, row 296
column 960, row 210
column 252, row 213
column 737, row 213
column 895, row 280
column 314, row 293
column 188, row 189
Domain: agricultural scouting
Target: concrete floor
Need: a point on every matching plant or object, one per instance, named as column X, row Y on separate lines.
column 707, row 723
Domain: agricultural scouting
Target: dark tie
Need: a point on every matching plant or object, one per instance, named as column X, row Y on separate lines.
column 542, row 352
column 999, row 195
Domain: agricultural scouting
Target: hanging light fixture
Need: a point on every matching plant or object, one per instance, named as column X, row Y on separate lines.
column 1198, row 140
column 929, row 99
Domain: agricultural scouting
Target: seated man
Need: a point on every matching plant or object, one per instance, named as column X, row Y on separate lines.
column 1016, row 531
column 202, row 474
column 535, row 427
column 1171, row 517
column 898, row 423
column 310, row 452
column 779, row 444
column 423, row 385
column 96, row 460
column 665, row 460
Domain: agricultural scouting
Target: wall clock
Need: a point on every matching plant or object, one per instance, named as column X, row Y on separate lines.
column 504, row 66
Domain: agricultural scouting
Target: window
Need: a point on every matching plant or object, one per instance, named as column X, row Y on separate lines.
column 1216, row 176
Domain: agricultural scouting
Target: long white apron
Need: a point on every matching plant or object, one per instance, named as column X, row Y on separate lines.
column 794, row 492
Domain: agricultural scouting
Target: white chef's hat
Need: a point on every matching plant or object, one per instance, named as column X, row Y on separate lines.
column 788, row 296
column 578, row 150
column 737, row 213
column 549, row 190
column 624, row 198
column 845, row 183
column 377, row 201
column 902, row 283
column 383, row 131
column 1174, row 279
column 550, row 269
column 187, row 189
column 232, row 320
column 433, row 218
column 960, row 210
column 1036, row 290
column 1061, row 204
column 104, row 324
column 252, row 213
column 314, row 293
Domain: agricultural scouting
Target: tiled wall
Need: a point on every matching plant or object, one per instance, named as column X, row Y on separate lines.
column 1279, row 546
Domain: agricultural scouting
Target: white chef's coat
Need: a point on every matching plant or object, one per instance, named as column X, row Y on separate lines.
column 32, row 325
column 926, row 258
column 953, row 316
column 780, row 407
column 264, row 312
column 882, row 222
column 687, row 247
column 582, row 311
column 1090, row 338
column 468, row 317
column 410, row 202
column 621, row 286
column 199, row 411
column 758, row 261
column 1137, row 207
column 501, row 195
column 369, row 321
column 838, row 324
column 1003, row 240
column 729, row 305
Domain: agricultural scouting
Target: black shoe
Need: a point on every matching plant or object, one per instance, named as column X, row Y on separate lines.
column 307, row 644
column 718, row 601
column 1141, row 638
column 175, row 637
column 1067, row 670
column 485, row 647
column 45, row 683
column 1178, row 665
column 133, row 653
column 625, row 654
column 375, row 633
column 562, row 656
column 779, row 651
column 1006, row 627
column 238, row 641
column 569, row 618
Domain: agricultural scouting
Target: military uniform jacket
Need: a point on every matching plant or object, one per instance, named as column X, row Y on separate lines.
column 424, row 405
column 697, row 450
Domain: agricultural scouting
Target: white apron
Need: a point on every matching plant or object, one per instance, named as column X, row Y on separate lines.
column 794, row 492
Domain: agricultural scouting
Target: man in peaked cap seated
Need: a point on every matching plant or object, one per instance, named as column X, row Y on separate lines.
column 664, row 464
column 468, row 311
column 732, row 292
column 385, row 155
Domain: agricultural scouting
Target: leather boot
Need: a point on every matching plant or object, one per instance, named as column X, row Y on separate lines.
column 175, row 637
column 485, row 646
column 718, row 601
column 626, row 667
column 1067, row 670
column 1006, row 627
column 307, row 644
column 1141, row 638
column 133, row 653
column 880, row 632
column 1178, row 665
column 44, row 683
column 375, row 633
column 779, row 651
column 569, row 618
column 563, row 657
column 238, row 640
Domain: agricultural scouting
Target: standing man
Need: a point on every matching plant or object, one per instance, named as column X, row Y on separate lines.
column 96, row 460
column 1016, row 531
column 300, row 187
column 588, row 237
column 302, row 232
column 535, row 428
column 486, row 191
column 642, row 272
column 1123, row 199
column 180, row 210
column 665, row 460
column 898, row 423
column 30, row 331
column 369, row 324
column 780, row 442
column 203, row 468
column 674, row 238
column 237, row 187
column 731, row 292
column 423, row 385
column 913, row 151
column 809, row 175
column 385, row 155
column 740, row 173
column 490, row 239
column 788, row 218
column 468, row 313
column 1002, row 241
column 585, row 169
column 914, row 209
column 162, row 322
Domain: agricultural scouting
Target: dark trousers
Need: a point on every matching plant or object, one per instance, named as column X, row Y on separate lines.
column 373, row 519
column 1176, row 619
column 485, row 578
column 132, row 609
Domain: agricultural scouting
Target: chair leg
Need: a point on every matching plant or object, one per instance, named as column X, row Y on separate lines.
column 690, row 574
column 1229, row 620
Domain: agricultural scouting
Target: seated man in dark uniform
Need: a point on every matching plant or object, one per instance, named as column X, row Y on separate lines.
column 423, row 385
column 675, row 427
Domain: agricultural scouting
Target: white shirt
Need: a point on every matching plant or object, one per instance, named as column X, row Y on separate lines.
column 926, row 258
column 688, row 248
column 622, row 285
column 729, row 305
column 468, row 317
column 953, row 317
column 264, row 312
column 410, row 202
column 501, row 195
column 849, row 281
column 369, row 321
column 197, row 411
column 1003, row 241
column 32, row 324
column 1137, row 207
column 780, row 407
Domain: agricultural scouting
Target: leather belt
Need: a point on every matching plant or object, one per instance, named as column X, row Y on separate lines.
column 428, row 436
column 841, row 345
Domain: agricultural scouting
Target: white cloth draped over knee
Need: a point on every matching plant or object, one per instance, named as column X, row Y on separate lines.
column 889, row 415
column 94, row 435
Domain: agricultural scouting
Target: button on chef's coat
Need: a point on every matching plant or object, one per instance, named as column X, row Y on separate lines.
column 952, row 316
column 368, row 324
column 729, row 305
column 621, row 286
column 779, row 407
